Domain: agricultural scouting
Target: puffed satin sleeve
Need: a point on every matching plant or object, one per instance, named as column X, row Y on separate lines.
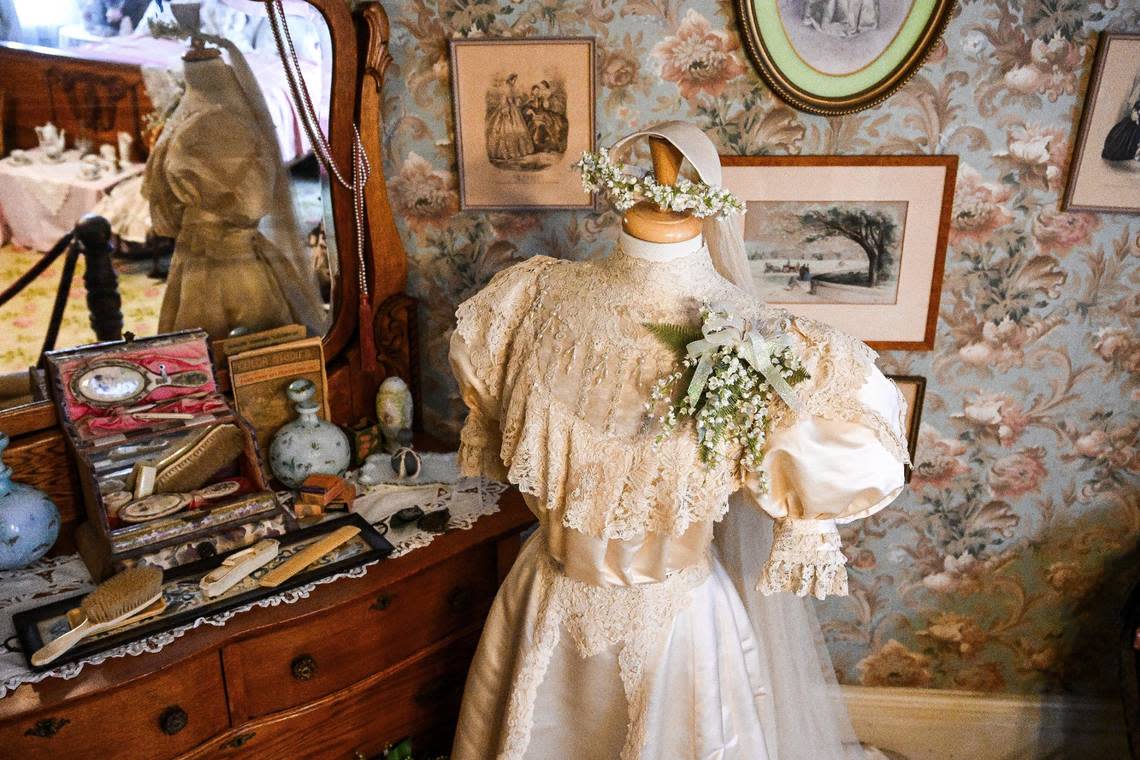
column 839, row 460
column 486, row 327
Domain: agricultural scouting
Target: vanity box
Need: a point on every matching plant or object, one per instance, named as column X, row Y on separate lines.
column 170, row 473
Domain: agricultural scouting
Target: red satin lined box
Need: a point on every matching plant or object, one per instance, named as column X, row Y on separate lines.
column 170, row 473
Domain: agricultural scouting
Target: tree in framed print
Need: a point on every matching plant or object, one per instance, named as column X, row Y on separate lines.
column 857, row 242
column 1105, row 173
column 839, row 56
column 524, row 112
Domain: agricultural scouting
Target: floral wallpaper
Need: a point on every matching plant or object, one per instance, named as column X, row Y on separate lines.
column 1003, row 566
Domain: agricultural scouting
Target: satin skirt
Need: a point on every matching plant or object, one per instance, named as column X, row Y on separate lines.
column 702, row 683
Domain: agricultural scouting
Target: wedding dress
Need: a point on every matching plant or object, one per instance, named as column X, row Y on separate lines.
column 619, row 633
column 239, row 256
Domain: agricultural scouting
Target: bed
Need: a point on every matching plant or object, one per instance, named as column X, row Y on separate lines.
column 99, row 88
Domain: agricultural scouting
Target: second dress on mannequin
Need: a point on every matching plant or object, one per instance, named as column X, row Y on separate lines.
column 213, row 179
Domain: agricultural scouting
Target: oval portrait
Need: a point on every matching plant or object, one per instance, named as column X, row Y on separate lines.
column 839, row 56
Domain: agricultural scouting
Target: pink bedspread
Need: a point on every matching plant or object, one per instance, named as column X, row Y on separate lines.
column 167, row 54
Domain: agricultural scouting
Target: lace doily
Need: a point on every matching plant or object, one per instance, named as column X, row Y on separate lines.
column 61, row 577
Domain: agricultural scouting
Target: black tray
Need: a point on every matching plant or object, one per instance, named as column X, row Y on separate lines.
column 37, row 626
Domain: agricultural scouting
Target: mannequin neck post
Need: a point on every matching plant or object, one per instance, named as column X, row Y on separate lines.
column 643, row 249
column 646, row 221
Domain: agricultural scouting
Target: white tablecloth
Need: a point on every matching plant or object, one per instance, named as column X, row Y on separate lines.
column 41, row 202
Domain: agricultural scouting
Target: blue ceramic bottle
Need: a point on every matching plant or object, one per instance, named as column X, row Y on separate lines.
column 29, row 521
column 308, row 445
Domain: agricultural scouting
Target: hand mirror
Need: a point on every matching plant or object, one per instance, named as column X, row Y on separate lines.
column 110, row 382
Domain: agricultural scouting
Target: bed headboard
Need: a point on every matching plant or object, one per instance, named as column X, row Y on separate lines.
column 93, row 98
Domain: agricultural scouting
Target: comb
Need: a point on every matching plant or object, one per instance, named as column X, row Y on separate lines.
column 307, row 556
column 115, row 601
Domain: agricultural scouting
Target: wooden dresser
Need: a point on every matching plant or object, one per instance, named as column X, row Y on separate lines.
column 360, row 664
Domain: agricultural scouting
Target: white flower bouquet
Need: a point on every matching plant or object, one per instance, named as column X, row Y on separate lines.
column 730, row 376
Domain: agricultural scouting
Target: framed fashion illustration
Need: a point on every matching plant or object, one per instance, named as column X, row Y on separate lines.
column 1105, row 173
column 857, row 242
column 913, row 389
column 839, row 56
column 524, row 113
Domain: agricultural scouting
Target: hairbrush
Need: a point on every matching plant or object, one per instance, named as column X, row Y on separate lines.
column 193, row 464
column 116, row 600
column 75, row 615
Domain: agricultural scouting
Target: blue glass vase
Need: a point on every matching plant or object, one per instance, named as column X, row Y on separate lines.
column 308, row 445
column 29, row 521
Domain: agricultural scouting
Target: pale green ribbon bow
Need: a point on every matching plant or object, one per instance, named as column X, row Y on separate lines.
column 721, row 329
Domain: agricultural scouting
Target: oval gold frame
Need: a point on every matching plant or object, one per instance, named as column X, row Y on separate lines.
column 797, row 97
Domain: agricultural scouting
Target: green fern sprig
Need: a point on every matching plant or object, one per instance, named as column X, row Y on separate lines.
column 673, row 336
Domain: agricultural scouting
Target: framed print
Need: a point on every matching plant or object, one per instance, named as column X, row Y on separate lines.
column 839, row 56
column 913, row 389
column 524, row 113
column 857, row 242
column 1105, row 173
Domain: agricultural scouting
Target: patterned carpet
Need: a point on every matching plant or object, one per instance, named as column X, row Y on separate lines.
column 24, row 320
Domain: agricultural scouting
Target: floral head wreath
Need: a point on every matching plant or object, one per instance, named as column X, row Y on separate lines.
column 624, row 188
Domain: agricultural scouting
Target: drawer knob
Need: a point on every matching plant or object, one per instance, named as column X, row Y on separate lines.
column 47, row 728
column 173, row 720
column 304, row 667
column 383, row 602
column 460, row 599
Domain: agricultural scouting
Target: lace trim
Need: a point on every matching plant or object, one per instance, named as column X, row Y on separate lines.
column 806, row 559
column 488, row 321
column 842, row 364
column 479, row 443
column 604, row 486
column 597, row 618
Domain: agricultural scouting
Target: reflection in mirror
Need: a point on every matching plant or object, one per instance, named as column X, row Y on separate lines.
column 193, row 151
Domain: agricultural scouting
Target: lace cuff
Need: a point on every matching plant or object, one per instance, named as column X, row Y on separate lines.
column 479, row 444
column 806, row 559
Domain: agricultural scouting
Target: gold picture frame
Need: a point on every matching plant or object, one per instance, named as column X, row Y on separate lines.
column 1096, row 183
column 913, row 389
column 839, row 58
column 815, row 275
column 524, row 113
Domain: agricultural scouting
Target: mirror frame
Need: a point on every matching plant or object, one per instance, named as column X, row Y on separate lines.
column 384, row 262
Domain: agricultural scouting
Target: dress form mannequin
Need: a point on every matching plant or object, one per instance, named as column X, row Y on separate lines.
column 216, row 185
column 621, row 614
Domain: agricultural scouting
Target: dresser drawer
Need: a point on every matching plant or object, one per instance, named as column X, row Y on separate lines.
column 420, row 697
column 160, row 716
column 320, row 655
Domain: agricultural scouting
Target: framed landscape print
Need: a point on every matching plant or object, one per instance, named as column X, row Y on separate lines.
column 913, row 389
column 839, row 56
column 857, row 242
column 1105, row 174
column 524, row 113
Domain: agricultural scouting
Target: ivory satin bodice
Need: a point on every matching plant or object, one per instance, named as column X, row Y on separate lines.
column 556, row 365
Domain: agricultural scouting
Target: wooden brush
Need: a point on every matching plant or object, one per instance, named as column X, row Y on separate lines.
column 116, row 600
column 194, row 465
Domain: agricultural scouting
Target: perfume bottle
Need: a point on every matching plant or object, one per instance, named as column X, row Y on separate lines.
column 308, row 445
column 29, row 521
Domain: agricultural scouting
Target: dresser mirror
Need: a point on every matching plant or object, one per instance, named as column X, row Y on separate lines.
column 135, row 110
